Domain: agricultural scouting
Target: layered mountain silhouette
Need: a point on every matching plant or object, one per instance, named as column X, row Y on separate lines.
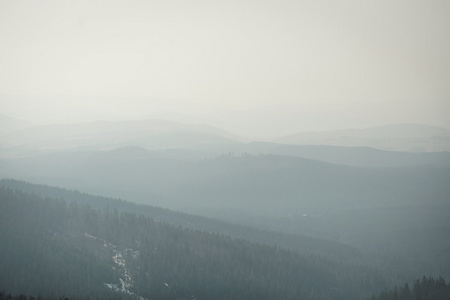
column 398, row 137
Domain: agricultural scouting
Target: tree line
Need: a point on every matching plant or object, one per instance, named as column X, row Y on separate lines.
column 48, row 249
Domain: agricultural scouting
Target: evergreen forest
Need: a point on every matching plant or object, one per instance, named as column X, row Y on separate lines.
column 55, row 247
column 224, row 150
column 60, row 243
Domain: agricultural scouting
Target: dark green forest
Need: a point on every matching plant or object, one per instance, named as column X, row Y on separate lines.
column 58, row 243
column 404, row 242
column 303, row 244
column 224, row 150
column 55, row 247
column 426, row 288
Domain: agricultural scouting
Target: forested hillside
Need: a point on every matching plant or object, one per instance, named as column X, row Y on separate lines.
column 395, row 218
column 231, row 184
column 306, row 245
column 403, row 242
column 426, row 288
column 53, row 246
column 224, row 150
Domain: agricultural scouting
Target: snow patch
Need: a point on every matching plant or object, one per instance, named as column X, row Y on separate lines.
column 119, row 253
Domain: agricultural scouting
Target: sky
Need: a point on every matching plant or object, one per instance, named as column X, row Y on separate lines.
column 256, row 67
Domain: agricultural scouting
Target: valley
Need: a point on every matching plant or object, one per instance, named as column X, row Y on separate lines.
column 356, row 211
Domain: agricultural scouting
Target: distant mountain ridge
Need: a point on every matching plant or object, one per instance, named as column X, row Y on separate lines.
column 10, row 124
column 102, row 135
column 395, row 137
column 234, row 182
column 364, row 157
column 21, row 139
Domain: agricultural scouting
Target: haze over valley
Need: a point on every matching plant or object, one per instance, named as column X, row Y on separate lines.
column 224, row 150
column 350, row 204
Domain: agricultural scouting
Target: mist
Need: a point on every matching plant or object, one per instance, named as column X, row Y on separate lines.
column 224, row 150
column 256, row 69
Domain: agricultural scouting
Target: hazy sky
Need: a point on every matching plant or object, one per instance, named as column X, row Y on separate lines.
column 295, row 64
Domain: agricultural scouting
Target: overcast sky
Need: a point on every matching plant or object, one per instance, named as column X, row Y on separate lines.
column 298, row 65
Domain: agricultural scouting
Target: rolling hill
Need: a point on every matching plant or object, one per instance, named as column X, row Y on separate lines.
column 362, row 157
column 50, row 246
column 252, row 184
column 396, row 137
column 102, row 135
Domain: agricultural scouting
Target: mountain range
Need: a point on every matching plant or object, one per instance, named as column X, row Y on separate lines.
column 396, row 137
column 20, row 138
column 352, row 203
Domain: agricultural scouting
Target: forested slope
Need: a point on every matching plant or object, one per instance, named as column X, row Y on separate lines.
column 306, row 245
column 53, row 246
column 426, row 288
column 231, row 184
column 405, row 242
